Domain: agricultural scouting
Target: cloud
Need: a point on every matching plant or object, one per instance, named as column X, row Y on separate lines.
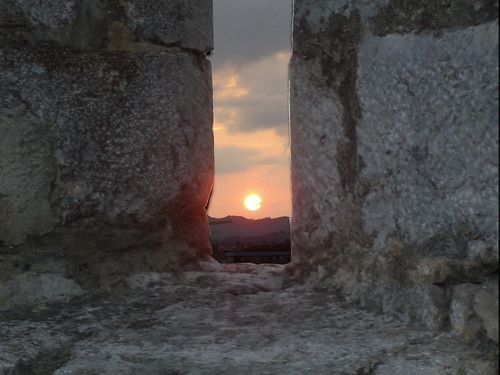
column 248, row 30
column 254, row 113
column 266, row 113
column 267, row 141
column 253, row 96
column 233, row 159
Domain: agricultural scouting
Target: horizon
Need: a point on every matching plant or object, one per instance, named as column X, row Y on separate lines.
column 248, row 218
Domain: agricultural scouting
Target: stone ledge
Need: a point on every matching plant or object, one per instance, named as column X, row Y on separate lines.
column 226, row 322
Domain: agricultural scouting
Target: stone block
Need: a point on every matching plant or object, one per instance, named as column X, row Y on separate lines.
column 116, row 144
column 394, row 140
column 186, row 24
column 429, row 160
column 403, row 126
column 85, row 25
column 32, row 14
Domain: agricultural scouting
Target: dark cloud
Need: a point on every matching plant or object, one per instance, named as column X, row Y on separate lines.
column 252, row 44
column 264, row 104
column 265, row 117
column 259, row 112
column 248, row 30
column 231, row 159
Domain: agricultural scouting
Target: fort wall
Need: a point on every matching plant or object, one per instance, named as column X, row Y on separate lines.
column 394, row 144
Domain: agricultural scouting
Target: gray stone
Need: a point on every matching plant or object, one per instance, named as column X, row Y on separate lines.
column 52, row 14
column 321, row 10
column 483, row 252
column 95, row 24
column 235, row 319
column 116, row 139
column 106, row 136
column 35, row 289
column 26, row 172
column 462, row 319
column 186, row 24
column 396, row 17
column 486, row 307
column 107, row 161
column 433, row 366
column 394, row 145
column 430, row 172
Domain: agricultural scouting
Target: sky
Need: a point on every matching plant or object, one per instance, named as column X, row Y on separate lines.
column 250, row 80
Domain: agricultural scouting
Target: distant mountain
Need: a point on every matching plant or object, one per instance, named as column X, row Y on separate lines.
column 234, row 229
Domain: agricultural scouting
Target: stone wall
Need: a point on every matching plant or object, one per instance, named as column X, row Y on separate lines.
column 394, row 142
column 106, row 144
column 106, row 150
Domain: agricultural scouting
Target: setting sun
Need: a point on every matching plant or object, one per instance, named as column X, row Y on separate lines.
column 253, row 202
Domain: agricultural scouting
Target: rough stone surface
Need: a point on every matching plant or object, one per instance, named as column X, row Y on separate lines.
column 474, row 309
column 394, row 148
column 106, row 162
column 462, row 319
column 31, row 289
column 429, row 161
column 85, row 25
column 233, row 320
column 26, row 173
column 486, row 308
column 106, row 157
column 117, row 137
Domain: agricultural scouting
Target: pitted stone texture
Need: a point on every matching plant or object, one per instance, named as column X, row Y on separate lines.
column 94, row 24
column 187, row 24
column 397, row 16
column 323, row 115
column 394, row 144
column 486, row 307
column 52, row 14
column 422, row 365
column 79, row 25
column 474, row 307
column 125, row 141
column 31, row 288
column 320, row 10
column 237, row 320
column 428, row 135
column 26, row 175
column 315, row 193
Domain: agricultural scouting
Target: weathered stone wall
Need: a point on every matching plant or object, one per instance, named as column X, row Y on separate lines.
column 394, row 142
column 106, row 145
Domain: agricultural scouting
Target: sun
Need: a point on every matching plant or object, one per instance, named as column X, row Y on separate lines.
column 253, row 202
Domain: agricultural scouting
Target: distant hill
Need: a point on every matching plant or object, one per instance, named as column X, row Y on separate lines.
column 234, row 229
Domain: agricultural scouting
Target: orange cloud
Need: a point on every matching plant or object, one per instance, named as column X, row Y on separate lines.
column 226, row 84
column 267, row 141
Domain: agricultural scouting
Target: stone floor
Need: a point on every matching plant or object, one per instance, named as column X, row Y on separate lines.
column 235, row 320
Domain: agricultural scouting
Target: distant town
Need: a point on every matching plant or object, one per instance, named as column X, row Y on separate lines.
column 236, row 239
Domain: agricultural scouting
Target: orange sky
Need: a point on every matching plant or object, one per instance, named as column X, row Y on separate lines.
column 251, row 137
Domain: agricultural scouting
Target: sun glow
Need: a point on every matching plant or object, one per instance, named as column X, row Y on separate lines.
column 253, row 202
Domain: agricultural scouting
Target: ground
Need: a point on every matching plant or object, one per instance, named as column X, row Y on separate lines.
column 231, row 319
